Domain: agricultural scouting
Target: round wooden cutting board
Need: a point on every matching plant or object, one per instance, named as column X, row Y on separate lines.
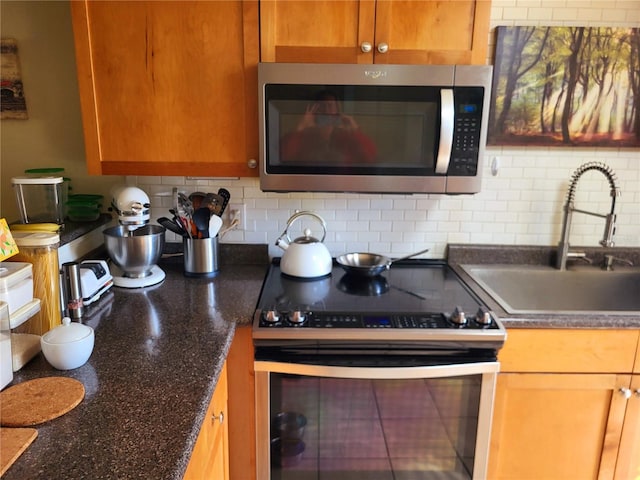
column 37, row 401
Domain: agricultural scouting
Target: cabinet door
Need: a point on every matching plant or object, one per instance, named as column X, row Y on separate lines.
column 168, row 88
column 556, row 426
column 210, row 455
column 316, row 31
column 414, row 32
column 219, row 464
column 432, row 32
column 242, row 444
column 628, row 464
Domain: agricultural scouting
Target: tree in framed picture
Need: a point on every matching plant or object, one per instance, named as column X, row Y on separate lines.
column 566, row 86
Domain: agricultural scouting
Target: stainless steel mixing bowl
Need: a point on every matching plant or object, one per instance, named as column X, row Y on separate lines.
column 137, row 251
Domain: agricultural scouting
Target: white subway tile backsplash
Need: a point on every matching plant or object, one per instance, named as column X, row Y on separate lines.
column 539, row 14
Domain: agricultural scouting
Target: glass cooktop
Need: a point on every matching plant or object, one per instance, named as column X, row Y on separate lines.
column 413, row 299
column 410, row 287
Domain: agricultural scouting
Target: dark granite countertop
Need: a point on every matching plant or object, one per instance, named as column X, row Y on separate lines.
column 464, row 254
column 157, row 356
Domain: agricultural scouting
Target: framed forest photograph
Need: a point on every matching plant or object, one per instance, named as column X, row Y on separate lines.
column 566, row 86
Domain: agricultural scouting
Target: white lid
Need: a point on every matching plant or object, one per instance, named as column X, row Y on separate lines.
column 36, row 180
column 35, row 239
column 12, row 273
column 24, row 313
column 68, row 332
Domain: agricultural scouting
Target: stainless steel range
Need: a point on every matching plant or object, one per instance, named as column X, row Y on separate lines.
column 388, row 377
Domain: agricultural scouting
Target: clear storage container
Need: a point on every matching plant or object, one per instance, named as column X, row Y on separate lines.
column 40, row 199
column 6, row 366
column 16, row 284
column 41, row 250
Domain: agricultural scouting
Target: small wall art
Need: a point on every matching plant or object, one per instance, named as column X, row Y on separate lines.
column 12, row 103
column 566, row 86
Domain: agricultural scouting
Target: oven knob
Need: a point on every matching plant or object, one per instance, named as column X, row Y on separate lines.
column 458, row 317
column 297, row 317
column 271, row 316
column 483, row 317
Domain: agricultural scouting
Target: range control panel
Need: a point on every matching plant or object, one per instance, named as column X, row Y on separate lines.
column 482, row 320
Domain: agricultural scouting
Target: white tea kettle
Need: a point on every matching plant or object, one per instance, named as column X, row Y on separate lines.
column 306, row 256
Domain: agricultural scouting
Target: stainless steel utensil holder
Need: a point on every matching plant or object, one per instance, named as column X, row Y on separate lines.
column 200, row 256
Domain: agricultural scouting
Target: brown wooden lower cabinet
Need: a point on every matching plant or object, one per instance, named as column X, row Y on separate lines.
column 242, row 434
column 209, row 459
column 552, row 423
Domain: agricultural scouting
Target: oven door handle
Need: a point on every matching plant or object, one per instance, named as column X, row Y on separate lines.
column 375, row 373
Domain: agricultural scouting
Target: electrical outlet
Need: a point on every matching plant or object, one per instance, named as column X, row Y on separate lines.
column 239, row 211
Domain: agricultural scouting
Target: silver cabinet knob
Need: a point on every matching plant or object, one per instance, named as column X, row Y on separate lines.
column 252, row 163
column 626, row 393
column 219, row 417
column 365, row 47
column 383, row 48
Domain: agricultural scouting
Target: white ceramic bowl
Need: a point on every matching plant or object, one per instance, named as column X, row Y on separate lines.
column 68, row 346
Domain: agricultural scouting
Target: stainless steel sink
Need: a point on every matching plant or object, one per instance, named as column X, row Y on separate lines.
column 538, row 289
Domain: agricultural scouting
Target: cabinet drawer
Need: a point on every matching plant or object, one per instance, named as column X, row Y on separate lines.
column 569, row 351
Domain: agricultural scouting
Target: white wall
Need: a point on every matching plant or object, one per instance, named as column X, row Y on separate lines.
column 52, row 136
column 521, row 205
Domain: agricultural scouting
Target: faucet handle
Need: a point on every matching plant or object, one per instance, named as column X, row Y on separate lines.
column 609, row 260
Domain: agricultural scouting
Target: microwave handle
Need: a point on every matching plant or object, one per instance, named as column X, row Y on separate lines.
column 446, row 130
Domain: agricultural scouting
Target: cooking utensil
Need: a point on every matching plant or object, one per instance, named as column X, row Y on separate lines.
column 172, row 226
column 196, row 199
column 289, row 425
column 305, row 256
column 369, row 264
column 185, row 207
column 213, row 202
column 201, row 219
column 226, row 196
column 215, row 224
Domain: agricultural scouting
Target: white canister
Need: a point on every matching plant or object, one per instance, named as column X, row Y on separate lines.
column 16, row 284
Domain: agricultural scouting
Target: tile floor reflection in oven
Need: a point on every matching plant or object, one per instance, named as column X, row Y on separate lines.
column 383, row 429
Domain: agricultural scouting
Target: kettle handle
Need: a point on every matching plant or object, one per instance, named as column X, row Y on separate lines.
column 303, row 213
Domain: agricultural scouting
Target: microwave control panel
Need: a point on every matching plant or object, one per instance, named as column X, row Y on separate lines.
column 466, row 135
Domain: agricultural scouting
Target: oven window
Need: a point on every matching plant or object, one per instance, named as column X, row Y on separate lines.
column 353, row 429
column 343, row 129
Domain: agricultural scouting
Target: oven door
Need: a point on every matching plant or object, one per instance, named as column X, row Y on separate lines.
column 326, row 421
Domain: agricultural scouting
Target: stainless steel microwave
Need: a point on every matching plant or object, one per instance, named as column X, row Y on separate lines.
column 372, row 128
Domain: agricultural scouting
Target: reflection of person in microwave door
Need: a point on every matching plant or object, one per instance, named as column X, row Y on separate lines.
column 325, row 134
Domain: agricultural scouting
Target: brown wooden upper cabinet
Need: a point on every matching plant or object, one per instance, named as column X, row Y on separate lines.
column 168, row 88
column 370, row 31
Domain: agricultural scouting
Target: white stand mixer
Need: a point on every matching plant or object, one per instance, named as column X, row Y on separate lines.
column 134, row 246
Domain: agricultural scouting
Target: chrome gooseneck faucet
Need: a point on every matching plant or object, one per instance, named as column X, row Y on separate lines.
column 610, row 218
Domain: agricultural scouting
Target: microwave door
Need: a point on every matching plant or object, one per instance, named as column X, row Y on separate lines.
column 446, row 130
